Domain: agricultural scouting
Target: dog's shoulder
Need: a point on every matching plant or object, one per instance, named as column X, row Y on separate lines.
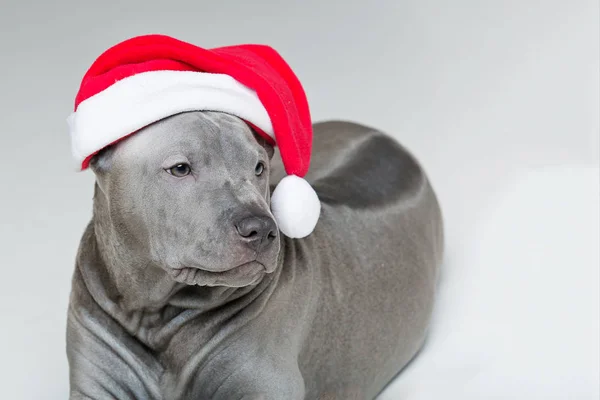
column 360, row 167
column 105, row 360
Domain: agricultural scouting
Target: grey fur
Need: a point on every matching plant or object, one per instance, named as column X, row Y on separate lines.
column 333, row 316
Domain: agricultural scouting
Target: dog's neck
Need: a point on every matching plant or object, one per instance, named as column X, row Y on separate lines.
column 123, row 281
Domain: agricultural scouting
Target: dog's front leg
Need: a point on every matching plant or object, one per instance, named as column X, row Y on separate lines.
column 105, row 363
column 262, row 379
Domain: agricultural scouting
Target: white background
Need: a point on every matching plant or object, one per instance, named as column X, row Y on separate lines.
column 498, row 99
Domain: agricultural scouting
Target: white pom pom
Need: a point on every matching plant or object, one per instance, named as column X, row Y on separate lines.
column 295, row 206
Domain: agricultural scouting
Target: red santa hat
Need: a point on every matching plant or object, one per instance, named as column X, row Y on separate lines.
column 147, row 78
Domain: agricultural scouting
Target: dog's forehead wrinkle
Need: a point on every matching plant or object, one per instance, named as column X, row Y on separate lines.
column 238, row 155
column 218, row 119
column 222, row 118
column 223, row 153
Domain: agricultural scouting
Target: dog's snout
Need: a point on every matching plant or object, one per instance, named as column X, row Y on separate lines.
column 257, row 232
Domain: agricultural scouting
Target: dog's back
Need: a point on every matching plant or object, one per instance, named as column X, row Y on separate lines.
column 376, row 250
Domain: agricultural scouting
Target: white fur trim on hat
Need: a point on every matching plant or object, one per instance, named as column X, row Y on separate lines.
column 295, row 206
column 139, row 100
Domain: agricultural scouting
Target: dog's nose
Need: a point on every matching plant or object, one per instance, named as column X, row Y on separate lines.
column 257, row 232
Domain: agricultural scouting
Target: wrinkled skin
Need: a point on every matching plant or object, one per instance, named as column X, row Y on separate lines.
column 184, row 288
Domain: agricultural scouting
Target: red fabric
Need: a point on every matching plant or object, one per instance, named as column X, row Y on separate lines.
column 257, row 66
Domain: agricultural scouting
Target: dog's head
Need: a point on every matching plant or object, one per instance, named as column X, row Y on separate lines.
column 192, row 191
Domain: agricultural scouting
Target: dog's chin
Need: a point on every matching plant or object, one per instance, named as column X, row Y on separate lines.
column 246, row 274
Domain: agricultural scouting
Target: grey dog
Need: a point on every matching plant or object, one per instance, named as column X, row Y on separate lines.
column 185, row 289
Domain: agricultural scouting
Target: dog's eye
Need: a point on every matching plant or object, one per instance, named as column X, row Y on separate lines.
column 260, row 167
column 180, row 170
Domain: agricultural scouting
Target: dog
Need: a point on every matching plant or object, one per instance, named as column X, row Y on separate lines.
column 185, row 289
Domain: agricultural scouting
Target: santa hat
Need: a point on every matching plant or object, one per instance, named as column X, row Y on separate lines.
column 147, row 78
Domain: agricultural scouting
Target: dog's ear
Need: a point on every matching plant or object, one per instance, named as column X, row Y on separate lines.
column 102, row 160
column 100, row 164
column 263, row 142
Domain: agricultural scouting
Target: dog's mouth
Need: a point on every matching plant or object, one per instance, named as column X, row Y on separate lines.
column 242, row 275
